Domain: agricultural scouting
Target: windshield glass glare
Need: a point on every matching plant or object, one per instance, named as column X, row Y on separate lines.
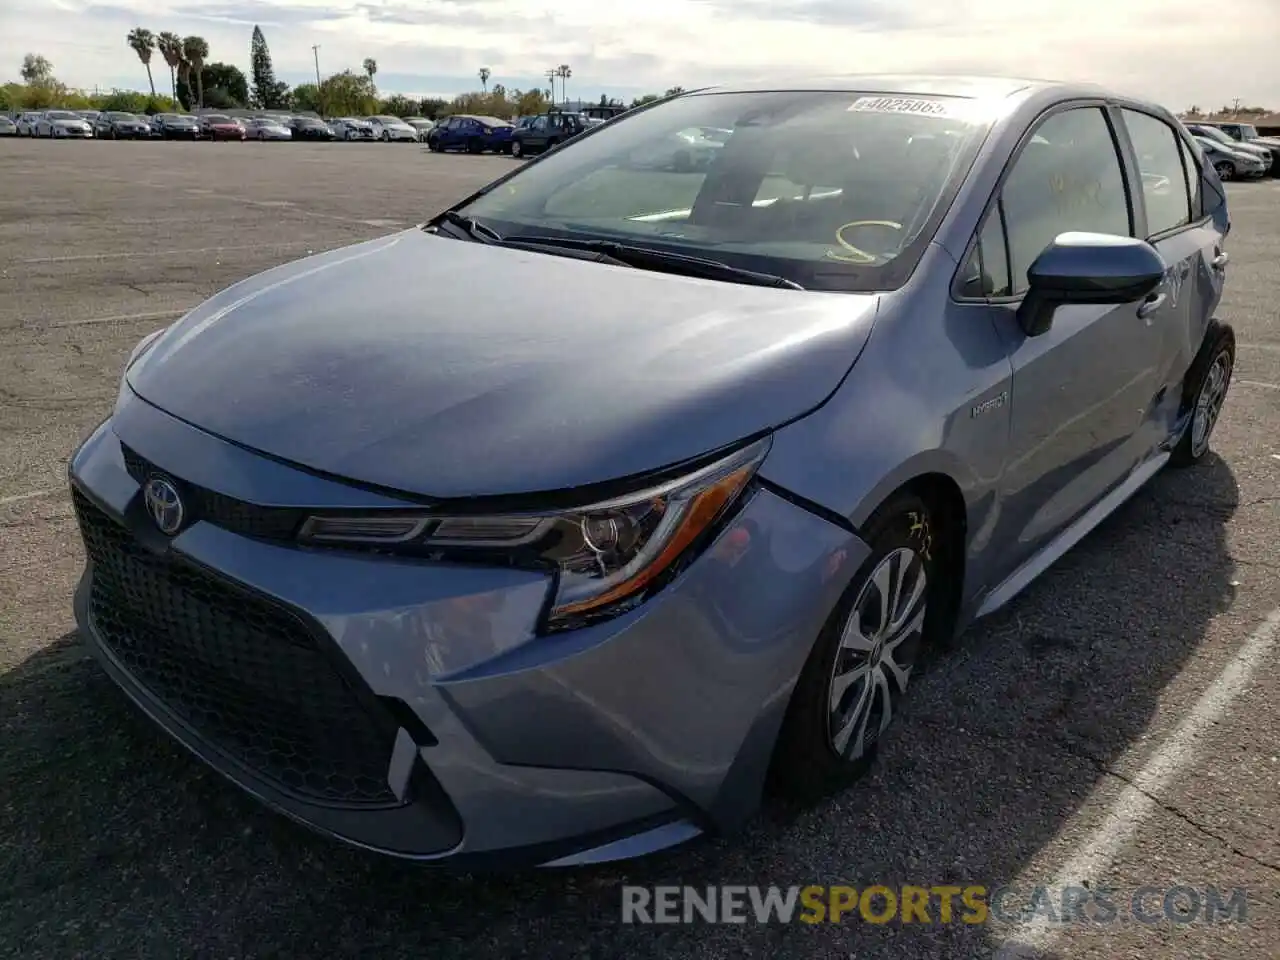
column 824, row 188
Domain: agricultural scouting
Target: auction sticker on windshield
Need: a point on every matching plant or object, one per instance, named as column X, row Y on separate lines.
column 916, row 106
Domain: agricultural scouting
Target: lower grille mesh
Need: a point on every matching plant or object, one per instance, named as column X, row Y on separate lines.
column 241, row 671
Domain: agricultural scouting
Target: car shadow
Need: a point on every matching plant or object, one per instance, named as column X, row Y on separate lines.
column 117, row 843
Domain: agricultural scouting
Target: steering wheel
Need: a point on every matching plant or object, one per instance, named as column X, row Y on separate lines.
column 851, row 254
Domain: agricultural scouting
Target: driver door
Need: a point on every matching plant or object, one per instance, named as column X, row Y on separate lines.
column 1082, row 390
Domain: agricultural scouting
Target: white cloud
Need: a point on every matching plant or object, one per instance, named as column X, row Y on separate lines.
column 1177, row 51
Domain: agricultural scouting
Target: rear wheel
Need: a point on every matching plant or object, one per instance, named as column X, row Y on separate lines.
column 1226, row 170
column 1204, row 392
column 850, row 689
column 517, row 150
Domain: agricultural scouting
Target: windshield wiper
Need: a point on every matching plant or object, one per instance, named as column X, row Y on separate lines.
column 473, row 227
column 646, row 258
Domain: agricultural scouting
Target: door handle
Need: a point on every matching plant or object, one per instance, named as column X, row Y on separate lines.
column 1152, row 304
column 1221, row 260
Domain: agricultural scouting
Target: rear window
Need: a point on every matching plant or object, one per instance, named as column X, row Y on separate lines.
column 828, row 189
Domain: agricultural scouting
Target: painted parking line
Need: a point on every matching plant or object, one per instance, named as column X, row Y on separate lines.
column 156, row 254
column 1139, row 798
column 1259, row 383
column 122, row 318
column 20, row 497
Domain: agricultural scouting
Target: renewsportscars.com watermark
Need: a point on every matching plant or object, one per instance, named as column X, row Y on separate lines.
column 943, row 903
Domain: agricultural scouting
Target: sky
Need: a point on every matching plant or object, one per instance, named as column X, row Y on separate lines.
column 1178, row 52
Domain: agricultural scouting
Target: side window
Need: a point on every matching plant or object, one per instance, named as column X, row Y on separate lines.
column 1195, row 181
column 1164, row 182
column 1067, row 178
column 987, row 272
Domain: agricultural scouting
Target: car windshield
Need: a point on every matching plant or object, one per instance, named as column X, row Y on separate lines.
column 1214, row 134
column 62, row 115
column 215, row 118
column 827, row 189
column 1249, row 131
column 129, row 117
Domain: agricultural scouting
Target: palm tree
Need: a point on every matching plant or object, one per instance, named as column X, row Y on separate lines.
column 170, row 47
column 143, row 42
column 194, row 51
column 551, row 77
column 484, row 78
column 564, row 73
column 370, row 68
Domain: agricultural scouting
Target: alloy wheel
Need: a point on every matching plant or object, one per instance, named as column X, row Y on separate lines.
column 1226, row 171
column 874, row 660
column 1213, row 391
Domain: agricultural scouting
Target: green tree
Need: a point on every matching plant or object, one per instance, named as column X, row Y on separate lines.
column 674, row 91
column 347, row 93
column 484, row 78
column 399, row 105
column 229, row 80
column 433, row 107
column 36, row 69
column 641, row 101
column 370, row 68
column 529, row 103
column 143, row 42
column 564, row 72
column 306, row 97
column 170, row 47
column 266, row 89
column 195, row 50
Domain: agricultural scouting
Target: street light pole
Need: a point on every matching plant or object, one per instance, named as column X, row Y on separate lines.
column 315, row 52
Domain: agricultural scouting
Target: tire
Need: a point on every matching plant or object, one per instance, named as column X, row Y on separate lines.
column 1203, row 393
column 474, row 146
column 830, row 734
column 517, row 150
column 1226, row 170
column 386, row 137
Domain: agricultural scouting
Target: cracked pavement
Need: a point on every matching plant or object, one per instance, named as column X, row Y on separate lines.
column 1014, row 751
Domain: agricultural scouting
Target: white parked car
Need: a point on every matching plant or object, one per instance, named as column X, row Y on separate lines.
column 63, row 123
column 349, row 128
column 422, row 125
column 27, row 123
column 387, row 129
column 265, row 128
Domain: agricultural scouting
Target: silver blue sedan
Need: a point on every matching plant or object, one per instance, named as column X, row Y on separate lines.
column 567, row 577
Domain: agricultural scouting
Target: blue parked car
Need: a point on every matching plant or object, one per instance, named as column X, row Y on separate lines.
column 562, row 578
column 470, row 133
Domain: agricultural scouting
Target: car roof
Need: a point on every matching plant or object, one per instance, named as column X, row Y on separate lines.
column 958, row 85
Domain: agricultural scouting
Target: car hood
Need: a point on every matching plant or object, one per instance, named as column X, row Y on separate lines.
column 404, row 362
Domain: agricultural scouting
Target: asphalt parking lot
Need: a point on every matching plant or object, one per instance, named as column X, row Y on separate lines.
column 1098, row 731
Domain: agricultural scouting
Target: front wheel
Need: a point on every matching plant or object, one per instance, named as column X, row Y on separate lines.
column 1204, row 392
column 1226, row 170
column 850, row 689
column 517, row 150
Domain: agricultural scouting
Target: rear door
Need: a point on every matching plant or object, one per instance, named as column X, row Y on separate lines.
column 1172, row 217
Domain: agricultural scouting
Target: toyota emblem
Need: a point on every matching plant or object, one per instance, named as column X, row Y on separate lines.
column 164, row 504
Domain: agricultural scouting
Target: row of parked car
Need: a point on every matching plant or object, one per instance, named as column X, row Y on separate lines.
column 1236, row 150
column 118, row 125
column 466, row 132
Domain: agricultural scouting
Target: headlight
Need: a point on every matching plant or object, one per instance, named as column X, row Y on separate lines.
column 607, row 556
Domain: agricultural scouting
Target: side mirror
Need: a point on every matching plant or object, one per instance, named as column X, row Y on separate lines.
column 1087, row 268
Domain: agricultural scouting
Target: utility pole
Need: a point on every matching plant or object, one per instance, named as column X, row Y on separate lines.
column 315, row 52
column 1235, row 105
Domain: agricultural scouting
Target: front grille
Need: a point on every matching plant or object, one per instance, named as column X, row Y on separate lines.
column 240, row 670
column 238, row 516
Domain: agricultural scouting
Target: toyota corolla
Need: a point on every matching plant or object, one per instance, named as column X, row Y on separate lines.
column 571, row 578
